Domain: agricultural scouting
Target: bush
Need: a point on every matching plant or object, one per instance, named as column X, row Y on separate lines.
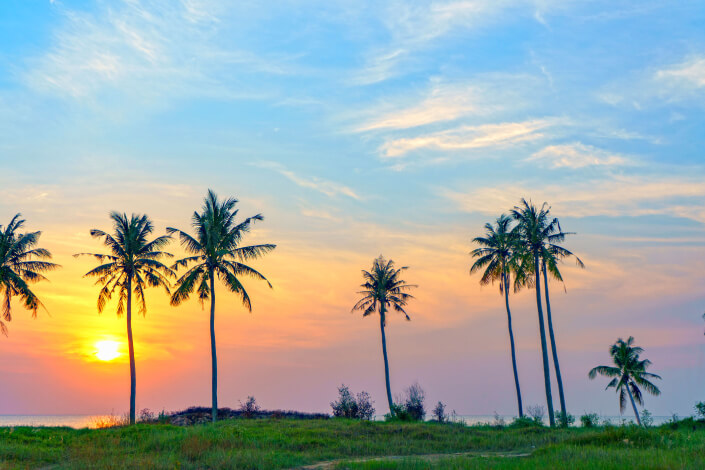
column 525, row 422
column 566, row 420
column 348, row 407
column 439, row 413
column 414, row 402
column 700, row 410
column 145, row 416
column 647, row 419
column 589, row 420
column 250, row 408
column 537, row 413
column 498, row 421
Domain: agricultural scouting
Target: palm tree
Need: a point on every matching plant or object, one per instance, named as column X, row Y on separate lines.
column 497, row 256
column 551, row 254
column 132, row 265
column 628, row 373
column 533, row 231
column 383, row 288
column 216, row 252
column 21, row 264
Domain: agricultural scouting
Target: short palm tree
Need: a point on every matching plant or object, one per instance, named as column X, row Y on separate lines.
column 384, row 289
column 496, row 258
column 534, row 230
column 133, row 264
column 628, row 374
column 550, row 256
column 216, row 252
column 21, row 264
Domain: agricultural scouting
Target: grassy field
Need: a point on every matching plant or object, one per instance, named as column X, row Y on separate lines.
column 289, row 443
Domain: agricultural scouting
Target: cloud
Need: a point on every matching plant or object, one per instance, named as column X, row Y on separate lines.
column 619, row 196
column 690, row 73
column 329, row 188
column 577, row 155
column 469, row 137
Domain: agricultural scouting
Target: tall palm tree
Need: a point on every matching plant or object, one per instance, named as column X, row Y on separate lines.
column 534, row 230
column 21, row 264
column 134, row 263
column 383, row 288
column 497, row 256
column 216, row 252
column 628, row 373
column 550, row 256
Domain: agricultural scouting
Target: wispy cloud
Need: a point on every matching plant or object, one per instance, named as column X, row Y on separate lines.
column 329, row 188
column 689, row 73
column 618, row 196
column 469, row 137
column 577, row 155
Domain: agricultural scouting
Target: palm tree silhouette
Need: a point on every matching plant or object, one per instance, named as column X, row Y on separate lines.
column 383, row 288
column 497, row 255
column 533, row 231
column 550, row 256
column 628, row 373
column 132, row 265
column 21, row 264
column 216, row 252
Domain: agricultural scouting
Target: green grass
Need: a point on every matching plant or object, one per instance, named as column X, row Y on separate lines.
column 285, row 443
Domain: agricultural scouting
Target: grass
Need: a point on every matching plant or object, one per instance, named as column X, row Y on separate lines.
column 289, row 443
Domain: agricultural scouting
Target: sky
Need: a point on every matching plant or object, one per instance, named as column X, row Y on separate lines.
column 358, row 128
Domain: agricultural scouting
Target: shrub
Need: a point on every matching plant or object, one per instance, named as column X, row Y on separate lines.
column 700, row 409
column 647, row 419
column 439, row 413
column 537, row 413
column 498, row 421
column 589, row 420
column 348, row 407
column 163, row 417
column 525, row 422
column 566, row 420
column 250, row 408
column 145, row 416
column 414, row 402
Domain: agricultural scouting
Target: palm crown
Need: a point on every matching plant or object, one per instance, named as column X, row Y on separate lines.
column 498, row 253
column 383, row 288
column 21, row 264
column 133, row 263
column 216, row 250
column 628, row 373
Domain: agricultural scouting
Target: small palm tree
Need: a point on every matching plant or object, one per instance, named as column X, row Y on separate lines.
column 534, row 230
column 628, row 373
column 383, row 288
column 216, row 252
column 132, row 265
column 497, row 258
column 21, row 264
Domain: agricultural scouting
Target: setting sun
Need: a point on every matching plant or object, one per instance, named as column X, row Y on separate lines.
column 107, row 350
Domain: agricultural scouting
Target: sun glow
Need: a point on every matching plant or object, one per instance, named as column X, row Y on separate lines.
column 107, row 350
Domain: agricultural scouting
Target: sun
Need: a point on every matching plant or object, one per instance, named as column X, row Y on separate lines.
column 107, row 350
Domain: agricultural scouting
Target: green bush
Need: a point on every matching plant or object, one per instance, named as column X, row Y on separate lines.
column 589, row 420
column 564, row 420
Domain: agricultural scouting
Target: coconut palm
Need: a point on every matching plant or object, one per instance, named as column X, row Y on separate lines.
column 533, row 231
column 550, row 256
column 383, row 288
column 133, row 264
column 496, row 258
column 216, row 251
column 21, row 264
column 628, row 373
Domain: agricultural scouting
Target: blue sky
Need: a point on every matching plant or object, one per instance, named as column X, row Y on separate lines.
column 396, row 127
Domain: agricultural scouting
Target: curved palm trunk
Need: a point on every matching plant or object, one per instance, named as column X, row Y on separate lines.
column 130, row 346
column 544, row 353
column 557, row 367
column 214, row 359
column 386, row 361
column 631, row 397
column 511, row 343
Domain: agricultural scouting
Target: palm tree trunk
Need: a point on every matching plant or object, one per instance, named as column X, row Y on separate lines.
column 631, row 397
column 544, row 353
column 553, row 347
column 131, row 349
column 386, row 361
column 511, row 342
column 214, row 359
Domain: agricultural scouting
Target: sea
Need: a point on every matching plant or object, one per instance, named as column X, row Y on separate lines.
column 89, row 421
